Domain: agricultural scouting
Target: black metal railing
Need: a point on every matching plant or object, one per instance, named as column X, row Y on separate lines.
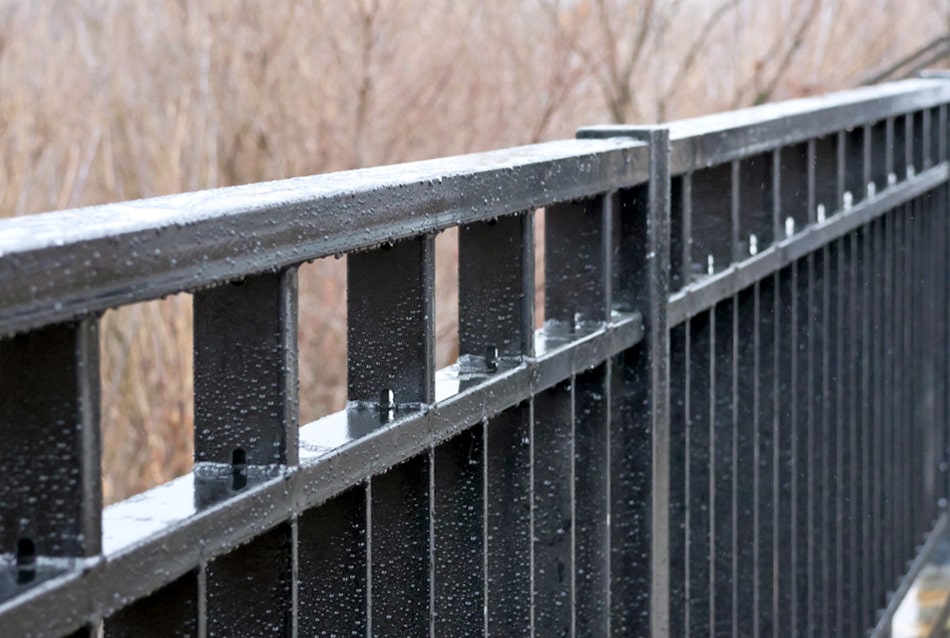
column 733, row 421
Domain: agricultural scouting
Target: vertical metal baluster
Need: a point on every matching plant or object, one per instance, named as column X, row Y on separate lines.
column 172, row 611
column 698, row 465
column 812, row 457
column 777, row 551
column 748, row 524
column 830, row 440
column 850, row 405
column 459, row 526
column 878, row 371
column 841, row 165
column 246, row 371
column 865, row 355
column 508, row 494
column 757, row 198
column 687, row 235
column 399, row 562
column 843, row 391
column 714, row 231
column 937, row 297
column 591, row 514
column 553, row 507
column 794, row 201
column 767, row 448
column 390, row 314
column 49, row 420
column 928, row 347
column 722, row 492
column 799, row 435
column 577, row 269
column 910, row 139
column 679, row 480
column 890, row 392
column 496, row 270
column 390, row 305
column 878, row 155
column 245, row 363
column 579, row 251
column 904, row 419
column 944, row 195
column 332, row 567
column 712, row 547
column 735, row 210
column 921, row 465
column 926, row 138
column 825, row 176
column 679, row 249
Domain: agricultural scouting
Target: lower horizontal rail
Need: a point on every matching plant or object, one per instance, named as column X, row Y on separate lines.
column 152, row 539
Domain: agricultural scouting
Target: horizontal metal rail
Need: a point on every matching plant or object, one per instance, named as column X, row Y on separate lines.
column 706, row 293
column 152, row 539
column 714, row 139
column 733, row 420
column 57, row 266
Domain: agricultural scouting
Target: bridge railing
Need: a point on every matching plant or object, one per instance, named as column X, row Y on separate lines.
column 733, row 418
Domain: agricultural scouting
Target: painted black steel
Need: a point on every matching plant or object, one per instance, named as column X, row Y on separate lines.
column 733, row 421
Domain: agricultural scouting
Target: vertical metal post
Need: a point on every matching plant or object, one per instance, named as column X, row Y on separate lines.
column 640, row 489
column 51, row 499
column 399, row 541
column 508, row 518
column 459, row 525
column 245, row 363
column 246, row 370
column 553, row 512
column 390, row 366
column 680, row 455
column 496, row 271
column 332, row 567
column 390, row 339
column 577, row 264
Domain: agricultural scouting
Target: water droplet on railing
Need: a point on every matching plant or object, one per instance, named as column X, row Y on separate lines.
column 710, row 265
column 753, row 245
column 872, row 189
column 911, row 171
column 891, row 179
column 847, row 199
column 789, row 226
column 820, row 213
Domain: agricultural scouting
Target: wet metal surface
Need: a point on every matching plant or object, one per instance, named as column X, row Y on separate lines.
column 730, row 423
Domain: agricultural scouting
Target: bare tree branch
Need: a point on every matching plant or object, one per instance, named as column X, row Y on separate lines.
column 697, row 47
column 765, row 93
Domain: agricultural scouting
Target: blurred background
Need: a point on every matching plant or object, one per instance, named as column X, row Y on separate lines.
column 106, row 100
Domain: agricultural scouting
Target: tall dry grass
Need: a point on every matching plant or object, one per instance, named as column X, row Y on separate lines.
column 104, row 100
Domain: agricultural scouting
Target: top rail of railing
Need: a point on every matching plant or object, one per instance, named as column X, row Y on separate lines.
column 714, row 139
column 58, row 266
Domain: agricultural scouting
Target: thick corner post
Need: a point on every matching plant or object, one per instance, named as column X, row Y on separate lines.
column 655, row 288
column 640, row 446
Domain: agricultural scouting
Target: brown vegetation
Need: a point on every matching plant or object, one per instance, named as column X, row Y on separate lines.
column 104, row 100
